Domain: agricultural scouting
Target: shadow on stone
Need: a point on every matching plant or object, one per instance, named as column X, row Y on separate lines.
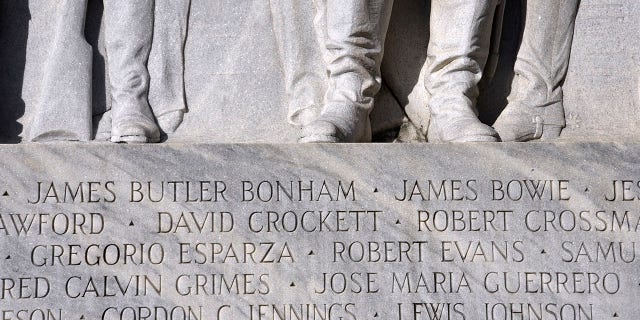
column 493, row 93
column 406, row 50
column 94, row 35
column 14, row 31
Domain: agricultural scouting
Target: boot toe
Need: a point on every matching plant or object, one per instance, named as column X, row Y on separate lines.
column 467, row 130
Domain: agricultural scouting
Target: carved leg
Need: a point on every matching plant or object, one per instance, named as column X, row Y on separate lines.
column 458, row 51
column 128, row 32
column 354, row 43
column 166, row 63
column 64, row 110
column 535, row 104
column 304, row 72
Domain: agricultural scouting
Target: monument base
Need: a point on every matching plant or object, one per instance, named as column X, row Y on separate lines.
column 250, row 231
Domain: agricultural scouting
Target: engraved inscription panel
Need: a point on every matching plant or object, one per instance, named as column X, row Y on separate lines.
column 541, row 231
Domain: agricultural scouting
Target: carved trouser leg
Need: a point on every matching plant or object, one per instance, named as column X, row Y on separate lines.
column 535, row 104
column 128, row 32
column 166, row 63
column 304, row 72
column 354, row 45
column 458, row 50
column 64, row 110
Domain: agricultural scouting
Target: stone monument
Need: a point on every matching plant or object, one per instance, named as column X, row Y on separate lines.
column 535, row 105
column 154, row 163
column 65, row 109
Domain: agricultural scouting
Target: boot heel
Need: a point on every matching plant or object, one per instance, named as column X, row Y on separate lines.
column 550, row 132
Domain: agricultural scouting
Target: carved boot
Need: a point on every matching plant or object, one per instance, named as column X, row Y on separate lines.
column 305, row 77
column 339, row 123
column 128, row 32
column 166, row 63
column 457, row 53
column 354, row 45
column 535, row 109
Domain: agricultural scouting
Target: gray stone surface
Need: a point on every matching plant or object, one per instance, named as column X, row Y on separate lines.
column 604, row 72
column 584, row 256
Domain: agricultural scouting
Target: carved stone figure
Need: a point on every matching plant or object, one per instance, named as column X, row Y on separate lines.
column 305, row 78
column 64, row 112
column 458, row 50
column 457, row 53
column 535, row 109
column 128, row 34
column 353, row 42
column 166, row 63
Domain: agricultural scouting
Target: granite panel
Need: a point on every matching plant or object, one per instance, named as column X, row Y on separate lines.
column 250, row 231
